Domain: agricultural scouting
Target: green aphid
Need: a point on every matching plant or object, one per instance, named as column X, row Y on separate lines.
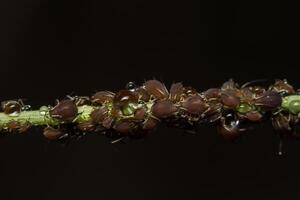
column 128, row 109
column 245, row 108
column 291, row 103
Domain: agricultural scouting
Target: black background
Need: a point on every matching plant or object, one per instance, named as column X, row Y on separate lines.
column 49, row 49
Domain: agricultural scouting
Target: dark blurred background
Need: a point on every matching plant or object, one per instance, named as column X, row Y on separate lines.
column 49, row 49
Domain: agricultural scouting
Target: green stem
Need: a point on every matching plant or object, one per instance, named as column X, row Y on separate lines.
column 42, row 117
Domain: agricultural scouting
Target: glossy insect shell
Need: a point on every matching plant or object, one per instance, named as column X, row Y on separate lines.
column 282, row 86
column 176, row 92
column 10, row 107
column 230, row 100
column 123, row 97
column 86, row 126
column 13, row 126
column 150, row 123
column 254, row 116
column 269, row 100
column 52, row 133
column 102, row 97
column 229, row 85
column 212, row 93
column 156, row 89
column 98, row 115
column 194, row 105
column 124, row 127
column 163, row 109
column 291, row 103
column 80, row 101
column 65, row 110
column 143, row 95
column 140, row 113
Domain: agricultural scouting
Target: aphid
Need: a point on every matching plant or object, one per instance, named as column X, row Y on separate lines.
column 230, row 100
column 123, row 97
column 291, row 103
column 189, row 91
column 10, row 107
column 156, row 89
column 143, row 95
column 13, row 126
column 86, row 127
column 150, row 123
column 213, row 113
column 212, row 94
column 229, row 85
column 163, row 109
column 102, row 117
column 246, row 95
column 176, row 92
column 99, row 114
column 194, row 105
column 81, row 100
column 140, row 113
column 269, row 100
column 107, row 122
column 24, row 127
column 125, row 103
column 102, row 97
column 282, row 87
column 124, row 127
column 253, row 116
column 65, row 110
column 52, row 134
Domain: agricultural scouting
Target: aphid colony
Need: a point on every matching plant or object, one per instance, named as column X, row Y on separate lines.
column 135, row 111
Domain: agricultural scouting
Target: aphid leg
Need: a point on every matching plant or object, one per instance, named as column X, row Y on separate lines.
column 121, row 139
column 253, row 82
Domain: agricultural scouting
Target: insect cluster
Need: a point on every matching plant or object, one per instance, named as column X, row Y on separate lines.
column 135, row 111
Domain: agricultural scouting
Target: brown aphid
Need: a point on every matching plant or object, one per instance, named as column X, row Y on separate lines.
column 142, row 94
column 65, row 110
column 52, row 134
column 150, row 123
column 195, row 105
column 214, row 112
column 140, row 113
column 13, row 126
column 24, row 127
column 11, row 106
column 124, row 127
column 229, row 100
column 86, row 126
column 282, row 86
column 98, row 115
column 82, row 100
column 163, row 109
column 123, row 97
column 229, row 85
column 176, row 92
column 189, row 91
column 246, row 95
column 156, row 89
column 107, row 122
column 254, row 116
column 257, row 90
column 281, row 123
column 102, row 97
column 269, row 100
column 212, row 93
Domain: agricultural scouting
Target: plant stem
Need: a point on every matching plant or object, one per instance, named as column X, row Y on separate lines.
column 42, row 117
